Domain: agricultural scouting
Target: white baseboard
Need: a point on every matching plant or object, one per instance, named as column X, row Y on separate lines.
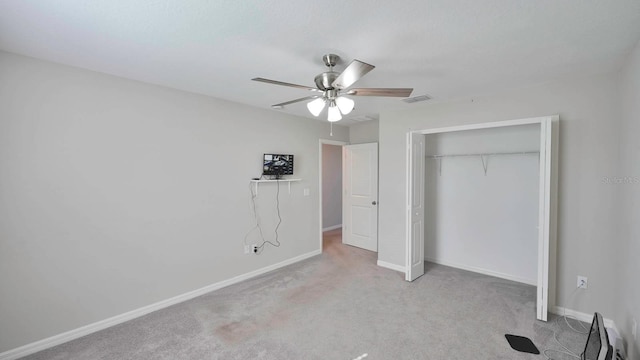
column 118, row 319
column 558, row 310
column 391, row 266
column 519, row 279
column 332, row 227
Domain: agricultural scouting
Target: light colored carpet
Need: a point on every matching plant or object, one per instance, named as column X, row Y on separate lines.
column 339, row 305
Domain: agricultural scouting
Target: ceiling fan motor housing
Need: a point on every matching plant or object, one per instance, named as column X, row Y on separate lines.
column 324, row 80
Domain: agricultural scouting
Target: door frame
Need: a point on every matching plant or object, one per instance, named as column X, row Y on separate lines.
column 547, row 200
column 320, row 143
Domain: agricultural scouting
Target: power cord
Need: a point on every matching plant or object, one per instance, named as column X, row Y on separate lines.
column 566, row 350
column 277, row 242
column 255, row 216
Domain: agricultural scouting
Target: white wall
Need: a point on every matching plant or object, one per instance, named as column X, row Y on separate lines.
column 587, row 214
column 364, row 132
column 484, row 222
column 331, row 186
column 117, row 194
column 627, row 183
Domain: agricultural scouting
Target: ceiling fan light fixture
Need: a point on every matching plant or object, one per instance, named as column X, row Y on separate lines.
column 334, row 113
column 345, row 104
column 315, row 107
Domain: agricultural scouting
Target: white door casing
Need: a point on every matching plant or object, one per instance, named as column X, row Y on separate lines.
column 360, row 198
column 544, row 217
column 415, row 206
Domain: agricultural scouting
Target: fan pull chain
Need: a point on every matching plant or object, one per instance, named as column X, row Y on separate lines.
column 331, row 131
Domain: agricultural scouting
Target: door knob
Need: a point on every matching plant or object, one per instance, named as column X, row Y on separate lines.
column 373, row 202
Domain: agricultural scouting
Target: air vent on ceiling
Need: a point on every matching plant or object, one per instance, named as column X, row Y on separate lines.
column 415, row 99
column 363, row 118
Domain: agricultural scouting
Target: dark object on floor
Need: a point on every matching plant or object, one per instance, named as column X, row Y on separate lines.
column 522, row 344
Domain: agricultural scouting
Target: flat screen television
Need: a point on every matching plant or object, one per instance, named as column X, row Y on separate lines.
column 597, row 346
column 277, row 165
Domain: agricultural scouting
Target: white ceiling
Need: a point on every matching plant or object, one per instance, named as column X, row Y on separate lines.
column 444, row 48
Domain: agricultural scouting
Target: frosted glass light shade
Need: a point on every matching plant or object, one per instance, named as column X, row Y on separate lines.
column 315, row 107
column 345, row 104
column 334, row 114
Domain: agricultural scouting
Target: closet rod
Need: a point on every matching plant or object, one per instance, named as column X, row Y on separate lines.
column 484, row 154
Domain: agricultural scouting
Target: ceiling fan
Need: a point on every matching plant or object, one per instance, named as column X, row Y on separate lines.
column 331, row 88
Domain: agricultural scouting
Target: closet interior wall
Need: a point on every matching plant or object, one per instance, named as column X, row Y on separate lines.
column 481, row 209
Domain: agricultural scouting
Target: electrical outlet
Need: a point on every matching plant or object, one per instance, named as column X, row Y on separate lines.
column 582, row 282
column 634, row 329
column 255, row 248
column 247, row 249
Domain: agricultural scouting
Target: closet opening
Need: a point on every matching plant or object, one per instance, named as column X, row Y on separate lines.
column 480, row 199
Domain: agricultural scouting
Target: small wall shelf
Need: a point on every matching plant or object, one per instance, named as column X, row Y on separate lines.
column 288, row 181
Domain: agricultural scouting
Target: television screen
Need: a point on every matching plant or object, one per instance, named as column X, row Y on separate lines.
column 277, row 164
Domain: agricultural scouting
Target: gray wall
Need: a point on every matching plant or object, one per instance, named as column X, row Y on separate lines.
column 627, row 259
column 484, row 222
column 117, row 194
column 364, row 132
column 331, row 185
column 589, row 141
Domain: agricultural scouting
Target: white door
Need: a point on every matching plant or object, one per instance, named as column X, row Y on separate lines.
column 360, row 201
column 415, row 254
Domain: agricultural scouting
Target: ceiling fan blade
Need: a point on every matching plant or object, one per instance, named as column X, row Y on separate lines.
column 395, row 92
column 351, row 74
column 275, row 82
column 295, row 101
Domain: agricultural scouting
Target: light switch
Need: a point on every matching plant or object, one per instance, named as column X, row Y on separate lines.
column 306, row 191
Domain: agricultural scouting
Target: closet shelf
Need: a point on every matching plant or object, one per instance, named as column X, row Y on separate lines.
column 483, row 156
column 440, row 156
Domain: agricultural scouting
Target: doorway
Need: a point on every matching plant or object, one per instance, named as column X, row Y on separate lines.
column 415, row 243
column 330, row 168
column 349, row 193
